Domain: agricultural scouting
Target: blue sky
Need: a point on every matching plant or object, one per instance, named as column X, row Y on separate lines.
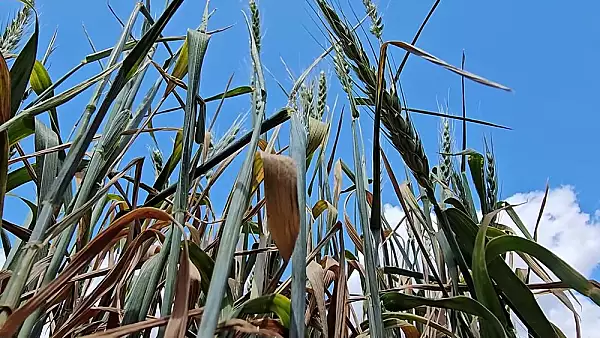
column 547, row 54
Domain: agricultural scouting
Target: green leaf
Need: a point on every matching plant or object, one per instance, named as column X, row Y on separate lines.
column 476, row 161
column 197, row 45
column 21, row 129
column 516, row 294
column 250, row 227
column 300, row 143
column 181, row 65
column 4, row 138
column 560, row 268
column 22, row 68
column 483, row 284
column 396, row 301
column 370, row 245
column 40, row 79
column 275, row 303
column 419, row 319
column 516, row 219
column 57, row 100
column 18, row 177
column 40, row 82
column 136, row 294
column 231, row 93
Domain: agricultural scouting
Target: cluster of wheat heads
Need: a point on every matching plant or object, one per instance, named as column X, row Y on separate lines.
column 109, row 252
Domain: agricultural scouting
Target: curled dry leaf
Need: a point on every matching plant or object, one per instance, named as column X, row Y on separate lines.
column 80, row 260
column 4, row 142
column 243, row 326
column 4, row 91
column 315, row 275
column 317, row 131
column 195, row 279
column 176, row 327
column 283, row 215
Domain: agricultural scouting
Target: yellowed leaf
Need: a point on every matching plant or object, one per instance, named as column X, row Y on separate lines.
column 40, row 79
column 317, row 131
column 321, row 206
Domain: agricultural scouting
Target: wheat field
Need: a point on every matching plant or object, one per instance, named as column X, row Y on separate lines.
column 109, row 252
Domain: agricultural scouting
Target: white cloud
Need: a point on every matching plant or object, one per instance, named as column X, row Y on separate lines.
column 574, row 236
column 565, row 229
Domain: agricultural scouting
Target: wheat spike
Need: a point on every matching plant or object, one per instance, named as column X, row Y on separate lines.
column 491, row 177
column 342, row 70
column 408, row 143
column 376, row 21
column 255, row 19
column 321, row 96
column 13, row 33
column 307, row 99
column 400, row 130
column 157, row 160
column 446, row 150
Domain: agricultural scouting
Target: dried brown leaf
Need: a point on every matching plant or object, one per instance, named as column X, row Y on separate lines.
column 78, row 262
column 4, row 91
column 178, row 321
column 316, row 277
column 139, row 326
column 283, row 215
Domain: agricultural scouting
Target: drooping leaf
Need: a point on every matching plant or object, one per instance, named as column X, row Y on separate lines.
column 514, row 291
column 317, row 131
column 560, row 268
column 281, row 201
column 316, row 276
column 177, row 325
